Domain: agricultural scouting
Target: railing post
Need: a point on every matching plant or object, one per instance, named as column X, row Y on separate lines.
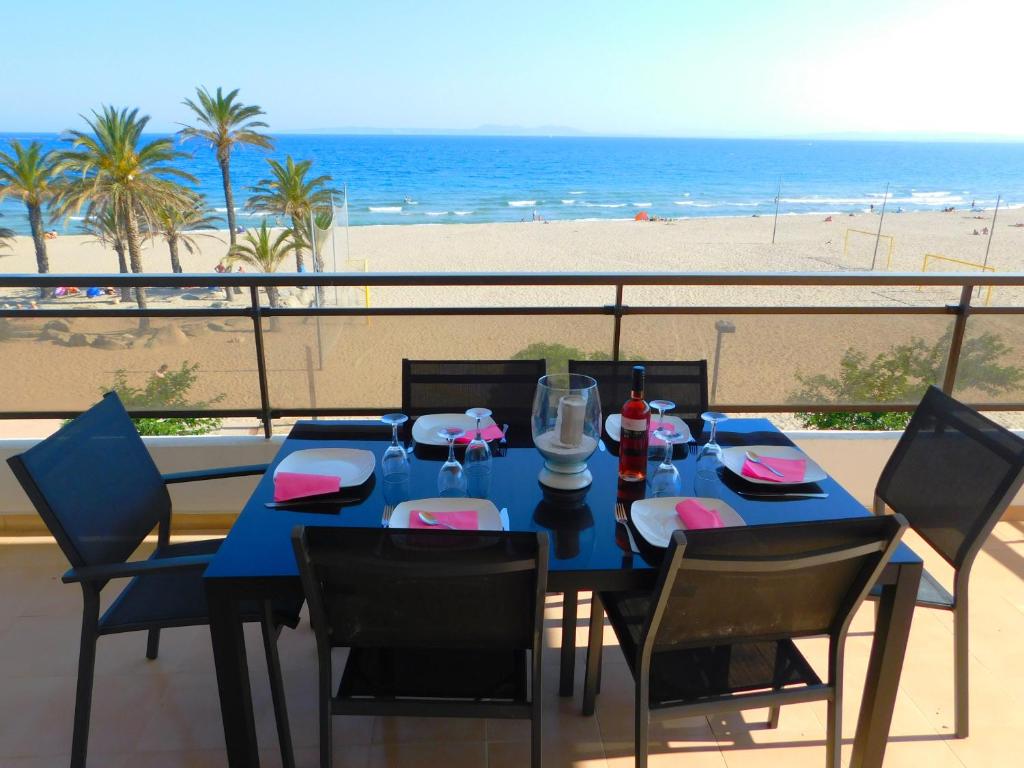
column 956, row 342
column 261, row 361
column 617, row 332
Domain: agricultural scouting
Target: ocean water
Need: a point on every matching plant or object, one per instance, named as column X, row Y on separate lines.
column 461, row 179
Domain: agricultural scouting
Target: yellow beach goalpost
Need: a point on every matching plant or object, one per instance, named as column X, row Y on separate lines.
column 890, row 242
column 930, row 258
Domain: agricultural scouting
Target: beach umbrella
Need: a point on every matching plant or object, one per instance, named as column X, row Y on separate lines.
column 641, row 216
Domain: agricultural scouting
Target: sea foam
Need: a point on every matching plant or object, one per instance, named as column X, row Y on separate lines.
column 385, row 209
column 521, row 203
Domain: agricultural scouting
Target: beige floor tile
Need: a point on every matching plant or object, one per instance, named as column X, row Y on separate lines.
column 516, row 754
column 428, row 755
column 403, row 730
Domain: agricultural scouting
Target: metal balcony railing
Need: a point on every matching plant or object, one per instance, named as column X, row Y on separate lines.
column 957, row 314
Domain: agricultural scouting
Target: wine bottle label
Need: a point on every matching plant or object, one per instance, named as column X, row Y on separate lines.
column 634, row 425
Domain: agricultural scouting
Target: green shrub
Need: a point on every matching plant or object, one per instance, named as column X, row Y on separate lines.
column 900, row 376
column 557, row 355
column 166, row 389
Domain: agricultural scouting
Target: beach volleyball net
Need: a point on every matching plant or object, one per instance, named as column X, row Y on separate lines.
column 864, row 248
column 329, row 238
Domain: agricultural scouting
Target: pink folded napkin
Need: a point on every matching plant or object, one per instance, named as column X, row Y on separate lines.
column 296, row 485
column 694, row 515
column 492, row 432
column 464, row 520
column 793, row 470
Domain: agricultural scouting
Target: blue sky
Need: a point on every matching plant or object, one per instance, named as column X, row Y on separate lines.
column 679, row 68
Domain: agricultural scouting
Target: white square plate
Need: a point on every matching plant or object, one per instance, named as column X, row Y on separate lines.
column 352, row 465
column 733, row 458
column 488, row 517
column 613, row 426
column 656, row 519
column 424, row 429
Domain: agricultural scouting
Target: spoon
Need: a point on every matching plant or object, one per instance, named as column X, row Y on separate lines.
column 756, row 459
column 429, row 519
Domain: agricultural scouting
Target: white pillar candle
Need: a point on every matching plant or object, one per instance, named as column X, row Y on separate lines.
column 572, row 410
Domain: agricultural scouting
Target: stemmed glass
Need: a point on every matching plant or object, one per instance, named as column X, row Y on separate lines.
column 394, row 464
column 478, row 458
column 451, row 480
column 706, row 482
column 666, row 481
column 661, row 406
column 714, row 418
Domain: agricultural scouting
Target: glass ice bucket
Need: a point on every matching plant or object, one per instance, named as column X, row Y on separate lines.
column 566, row 428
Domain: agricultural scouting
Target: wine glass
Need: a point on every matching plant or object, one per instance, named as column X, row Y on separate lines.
column 394, row 464
column 661, row 406
column 714, row 418
column 451, row 480
column 666, row 481
column 478, row 458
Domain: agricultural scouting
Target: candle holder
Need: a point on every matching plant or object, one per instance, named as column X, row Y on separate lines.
column 566, row 426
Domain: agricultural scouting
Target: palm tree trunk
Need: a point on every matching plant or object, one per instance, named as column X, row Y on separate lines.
column 122, row 265
column 172, row 246
column 296, row 237
column 229, row 196
column 35, row 218
column 131, row 231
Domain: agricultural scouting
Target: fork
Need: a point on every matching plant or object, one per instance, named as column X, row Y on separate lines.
column 623, row 519
column 385, row 519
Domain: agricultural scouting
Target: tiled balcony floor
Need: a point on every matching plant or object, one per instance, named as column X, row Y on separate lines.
column 165, row 713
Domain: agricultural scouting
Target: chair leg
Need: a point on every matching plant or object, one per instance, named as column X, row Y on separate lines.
column 326, row 747
column 834, row 715
column 595, row 650
column 773, row 716
column 284, row 734
column 86, row 669
column 961, row 682
column 640, row 727
column 153, row 644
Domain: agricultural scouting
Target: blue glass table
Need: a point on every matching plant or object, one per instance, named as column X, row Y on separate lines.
column 588, row 552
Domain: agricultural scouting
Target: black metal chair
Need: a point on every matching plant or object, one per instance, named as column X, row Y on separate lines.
column 97, row 489
column 716, row 632
column 952, row 475
column 684, row 382
column 437, row 623
column 451, row 386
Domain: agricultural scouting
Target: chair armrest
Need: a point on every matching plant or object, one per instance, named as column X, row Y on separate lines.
column 219, row 473
column 135, row 568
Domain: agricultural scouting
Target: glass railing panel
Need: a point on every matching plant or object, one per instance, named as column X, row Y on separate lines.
column 792, row 360
column 353, row 362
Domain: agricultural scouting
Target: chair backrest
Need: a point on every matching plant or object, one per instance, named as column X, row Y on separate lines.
column 684, row 382
column 451, row 386
column 349, row 429
column 952, row 475
column 383, row 588
column 95, row 485
column 768, row 582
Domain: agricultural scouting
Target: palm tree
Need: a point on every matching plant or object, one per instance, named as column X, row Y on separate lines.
column 27, row 173
column 289, row 193
column 112, row 168
column 177, row 225
column 103, row 225
column 262, row 252
column 224, row 124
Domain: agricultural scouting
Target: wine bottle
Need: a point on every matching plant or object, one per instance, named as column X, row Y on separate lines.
column 636, row 419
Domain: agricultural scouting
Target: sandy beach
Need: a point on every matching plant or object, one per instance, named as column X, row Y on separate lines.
column 328, row 362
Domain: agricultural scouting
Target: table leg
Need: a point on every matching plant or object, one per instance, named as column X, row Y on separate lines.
column 888, row 649
column 232, row 677
column 568, row 666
